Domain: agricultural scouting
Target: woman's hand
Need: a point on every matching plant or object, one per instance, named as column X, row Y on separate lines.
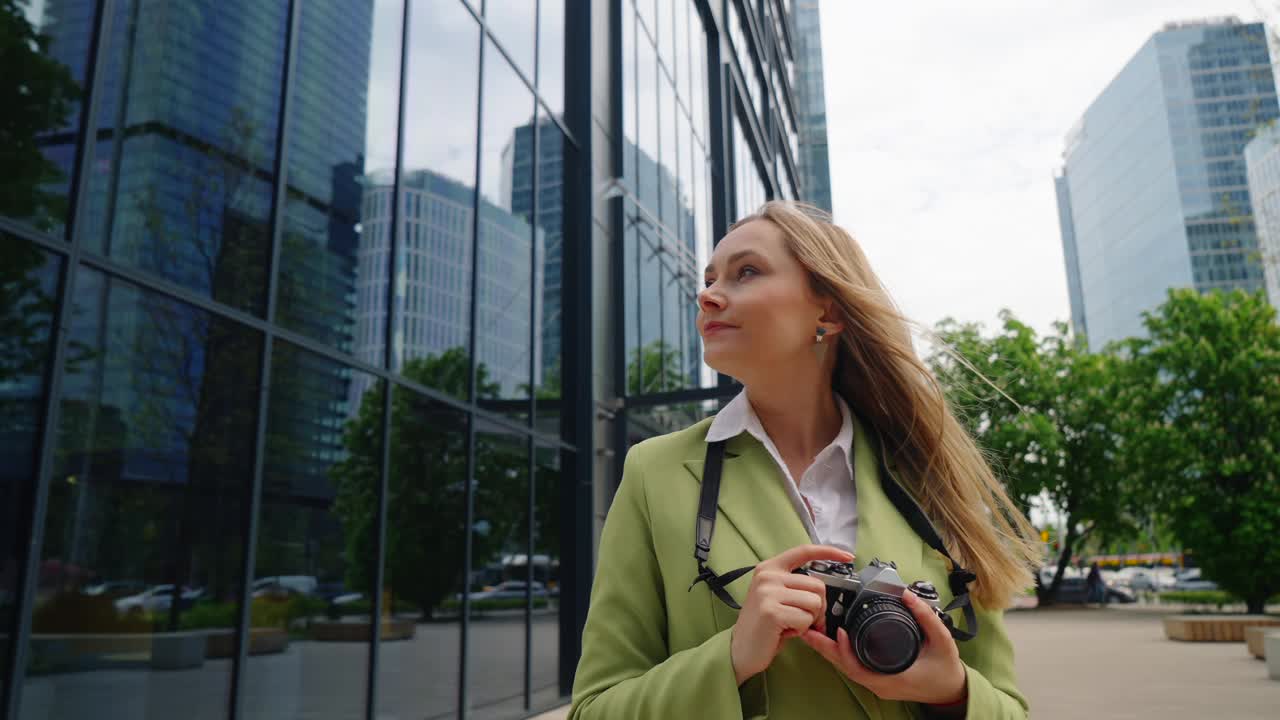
column 780, row 605
column 936, row 678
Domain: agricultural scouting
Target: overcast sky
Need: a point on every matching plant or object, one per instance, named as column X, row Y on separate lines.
column 945, row 123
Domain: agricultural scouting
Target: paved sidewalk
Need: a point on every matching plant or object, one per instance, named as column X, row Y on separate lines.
column 1115, row 664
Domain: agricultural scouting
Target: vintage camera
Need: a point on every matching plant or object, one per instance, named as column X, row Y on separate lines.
column 868, row 605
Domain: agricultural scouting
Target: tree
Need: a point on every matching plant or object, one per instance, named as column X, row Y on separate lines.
column 425, row 531
column 1205, row 432
column 1045, row 412
column 38, row 95
column 656, row 367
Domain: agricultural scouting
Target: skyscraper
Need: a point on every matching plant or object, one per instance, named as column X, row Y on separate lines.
column 1153, row 193
column 815, row 172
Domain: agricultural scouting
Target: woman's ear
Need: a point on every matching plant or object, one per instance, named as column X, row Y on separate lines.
column 829, row 321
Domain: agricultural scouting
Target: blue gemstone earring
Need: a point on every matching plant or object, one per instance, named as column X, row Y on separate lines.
column 818, row 338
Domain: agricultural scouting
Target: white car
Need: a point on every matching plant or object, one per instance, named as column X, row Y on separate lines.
column 293, row 584
column 155, row 599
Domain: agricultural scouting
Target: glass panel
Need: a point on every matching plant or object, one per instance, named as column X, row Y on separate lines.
column 433, row 276
column 499, row 589
column 181, row 186
column 545, row 624
column 630, row 106
column 144, row 535
column 647, row 13
column 514, row 23
column 549, row 381
column 664, row 33
column 45, row 58
column 28, row 297
column 681, row 50
column 551, row 53
column 646, row 109
column 647, row 422
column 509, row 249
column 424, row 572
column 670, row 144
column 317, row 553
column 342, row 156
column 698, row 73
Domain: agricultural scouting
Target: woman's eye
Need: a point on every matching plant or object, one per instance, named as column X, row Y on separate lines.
column 746, row 269
column 708, row 283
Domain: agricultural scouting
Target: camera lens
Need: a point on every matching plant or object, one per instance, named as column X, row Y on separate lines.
column 884, row 635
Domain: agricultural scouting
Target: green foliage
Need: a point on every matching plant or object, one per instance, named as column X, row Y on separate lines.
column 426, row 508
column 38, row 95
column 1044, row 411
column 656, row 367
column 1204, row 432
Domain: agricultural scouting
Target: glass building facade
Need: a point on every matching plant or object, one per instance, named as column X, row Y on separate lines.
column 1262, row 158
column 1153, row 193
column 811, row 97
column 326, row 326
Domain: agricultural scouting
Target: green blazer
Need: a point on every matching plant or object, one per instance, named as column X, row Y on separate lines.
column 654, row 649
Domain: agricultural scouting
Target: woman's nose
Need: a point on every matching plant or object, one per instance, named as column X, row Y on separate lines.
column 709, row 299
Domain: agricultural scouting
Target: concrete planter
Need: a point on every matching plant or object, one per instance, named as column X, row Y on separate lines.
column 1214, row 628
column 1254, row 639
column 361, row 631
column 162, row 651
column 1271, row 646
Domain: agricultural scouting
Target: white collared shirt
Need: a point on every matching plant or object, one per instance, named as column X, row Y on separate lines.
column 827, row 484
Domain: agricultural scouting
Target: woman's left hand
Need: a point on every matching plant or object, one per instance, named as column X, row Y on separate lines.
column 937, row 677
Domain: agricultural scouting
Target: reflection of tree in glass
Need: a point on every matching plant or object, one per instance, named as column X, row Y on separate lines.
column 26, row 310
column 655, row 368
column 426, row 506
column 37, row 94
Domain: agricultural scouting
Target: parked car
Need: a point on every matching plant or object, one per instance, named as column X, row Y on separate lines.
column 285, row 584
column 510, row 590
column 1120, row 594
column 1141, row 578
column 1192, row 580
column 156, row 599
column 115, row 588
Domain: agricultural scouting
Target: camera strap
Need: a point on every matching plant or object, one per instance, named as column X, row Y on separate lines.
column 707, row 526
column 958, row 579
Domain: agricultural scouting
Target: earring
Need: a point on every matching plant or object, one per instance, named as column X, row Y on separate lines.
column 821, row 331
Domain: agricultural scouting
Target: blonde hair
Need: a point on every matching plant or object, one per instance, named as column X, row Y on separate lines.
column 879, row 375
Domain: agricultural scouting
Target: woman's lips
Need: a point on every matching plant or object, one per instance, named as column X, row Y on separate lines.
column 712, row 328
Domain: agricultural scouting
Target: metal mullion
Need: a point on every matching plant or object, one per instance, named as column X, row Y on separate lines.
column 532, row 447
column 277, row 221
column 20, row 632
column 617, row 223
column 388, row 363
column 576, row 545
column 534, row 304
column 469, row 512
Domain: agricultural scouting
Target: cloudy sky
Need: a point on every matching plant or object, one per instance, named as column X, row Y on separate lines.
column 945, row 123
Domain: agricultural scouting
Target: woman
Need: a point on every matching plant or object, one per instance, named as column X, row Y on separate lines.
column 835, row 401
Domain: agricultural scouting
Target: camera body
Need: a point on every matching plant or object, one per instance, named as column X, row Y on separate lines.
column 868, row 604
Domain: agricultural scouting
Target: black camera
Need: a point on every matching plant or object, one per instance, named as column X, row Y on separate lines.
column 868, row 605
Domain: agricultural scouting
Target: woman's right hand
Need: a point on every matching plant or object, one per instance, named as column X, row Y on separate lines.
column 780, row 605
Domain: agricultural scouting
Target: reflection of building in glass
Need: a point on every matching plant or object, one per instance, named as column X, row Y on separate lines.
column 1153, row 190
column 433, row 286
column 517, row 188
column 815, row 183
column 1262, row 155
